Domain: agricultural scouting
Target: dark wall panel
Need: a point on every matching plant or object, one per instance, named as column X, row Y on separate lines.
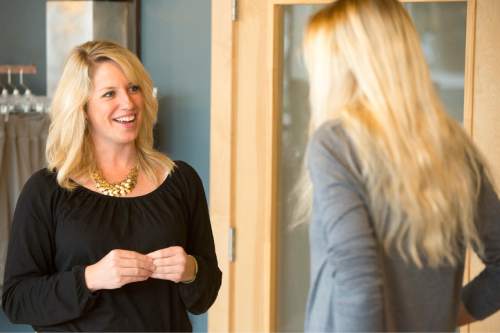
column 22, row 39
column 175, row 40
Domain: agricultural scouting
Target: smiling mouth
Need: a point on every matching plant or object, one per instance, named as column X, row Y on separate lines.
column 125, row 119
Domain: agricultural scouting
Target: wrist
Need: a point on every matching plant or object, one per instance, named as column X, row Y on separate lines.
column 89, row 278
column 195, row 269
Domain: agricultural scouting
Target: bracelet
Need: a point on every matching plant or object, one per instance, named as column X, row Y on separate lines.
column 195, row 271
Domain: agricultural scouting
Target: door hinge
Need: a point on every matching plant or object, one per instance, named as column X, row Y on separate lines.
column 234, row 10
column 231, row 244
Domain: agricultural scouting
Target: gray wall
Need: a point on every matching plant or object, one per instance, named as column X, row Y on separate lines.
column 176, row 52
column 22, row 39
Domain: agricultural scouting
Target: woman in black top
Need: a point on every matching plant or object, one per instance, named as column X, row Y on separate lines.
column 113, row 235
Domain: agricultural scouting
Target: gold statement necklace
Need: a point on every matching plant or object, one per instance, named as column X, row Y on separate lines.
column 117, row 189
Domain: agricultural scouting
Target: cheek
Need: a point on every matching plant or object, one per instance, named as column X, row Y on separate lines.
column 95, row 124
column 141, row 106
column 92, row 116
column 140, row 118
column 97, row 114
column 139, row 101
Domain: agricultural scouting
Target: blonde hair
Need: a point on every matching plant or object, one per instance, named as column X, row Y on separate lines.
column 421, row 171
column 69, row 147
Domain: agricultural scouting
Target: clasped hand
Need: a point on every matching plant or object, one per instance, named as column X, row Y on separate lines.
column 120, row 267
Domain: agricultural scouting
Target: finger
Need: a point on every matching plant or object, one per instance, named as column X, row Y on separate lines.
column 134, row 272
column 126, row 254
column 169, row 261
column 134, row 263
column 175, row 277
column 166, row 252
column 131, row 279
column 168, row 269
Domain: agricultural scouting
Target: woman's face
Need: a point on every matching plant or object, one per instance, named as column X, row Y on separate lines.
column 115, row 106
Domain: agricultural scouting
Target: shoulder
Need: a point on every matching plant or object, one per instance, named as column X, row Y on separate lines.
column 328, row 131
column 184, row 170
column 42, row 180
column 331, row 156
column 38, row 194
column 330, row 144
column 184, row 175
column 330, row 137
column 40, row 187
column 186, row 181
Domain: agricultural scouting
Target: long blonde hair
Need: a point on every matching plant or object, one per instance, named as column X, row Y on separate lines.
column 422, row 173
column 69, row 148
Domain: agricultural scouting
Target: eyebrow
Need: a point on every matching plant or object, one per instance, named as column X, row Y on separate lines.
column 106, row 88
column 113, row 87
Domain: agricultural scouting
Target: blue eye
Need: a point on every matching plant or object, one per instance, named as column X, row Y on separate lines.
column 134, row 88
column 110, row 93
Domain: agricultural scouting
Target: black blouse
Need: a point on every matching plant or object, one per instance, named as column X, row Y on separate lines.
column 56, row 233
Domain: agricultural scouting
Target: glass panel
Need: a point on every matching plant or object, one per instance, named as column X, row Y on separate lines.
column 442, row 30
column 293, row 261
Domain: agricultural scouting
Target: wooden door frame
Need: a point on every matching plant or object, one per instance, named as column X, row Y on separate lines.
column 221, row 157
column 485, row 119
column 245, row 131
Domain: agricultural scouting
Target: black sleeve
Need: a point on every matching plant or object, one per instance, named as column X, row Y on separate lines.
column 200, row 294
column 34, row 292
column 481, row 296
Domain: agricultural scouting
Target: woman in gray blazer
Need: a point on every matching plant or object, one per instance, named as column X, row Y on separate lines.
column 399, row 189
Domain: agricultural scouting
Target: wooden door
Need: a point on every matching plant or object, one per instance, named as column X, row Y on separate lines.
column 247, row 140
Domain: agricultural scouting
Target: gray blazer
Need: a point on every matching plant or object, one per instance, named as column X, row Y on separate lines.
column 355, row 284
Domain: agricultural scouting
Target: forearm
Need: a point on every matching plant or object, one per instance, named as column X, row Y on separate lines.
column 481, row 296
column 464, row 317
column 200, row 294
column 46, row 300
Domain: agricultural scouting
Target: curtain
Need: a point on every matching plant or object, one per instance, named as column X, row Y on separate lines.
column 22, row 152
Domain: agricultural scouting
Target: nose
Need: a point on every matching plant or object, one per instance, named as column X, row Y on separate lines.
column 126, row 101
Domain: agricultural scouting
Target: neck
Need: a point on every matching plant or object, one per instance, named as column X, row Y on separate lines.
column 115, row 158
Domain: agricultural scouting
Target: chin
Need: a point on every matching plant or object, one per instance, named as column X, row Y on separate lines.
column 126, row 140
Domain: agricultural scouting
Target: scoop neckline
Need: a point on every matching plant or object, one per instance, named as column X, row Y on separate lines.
column 142, row 196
